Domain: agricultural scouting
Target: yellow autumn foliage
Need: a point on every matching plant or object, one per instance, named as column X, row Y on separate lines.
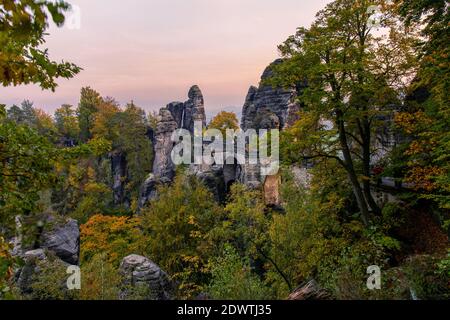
column 116, row 237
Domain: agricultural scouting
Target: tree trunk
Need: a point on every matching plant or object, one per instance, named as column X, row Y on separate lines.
column 348, row 164
column 366, row 137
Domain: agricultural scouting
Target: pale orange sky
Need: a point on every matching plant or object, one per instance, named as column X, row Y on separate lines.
column 152, row 51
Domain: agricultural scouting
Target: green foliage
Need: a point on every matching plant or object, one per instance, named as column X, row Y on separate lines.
column 81, row 191
column 444, row 266
column 176, row 227
column 424, row 278
column 50, row 283
column 25, row 114
column 246, row 222
column 66, row 122
column 22, row 29
column 6, row 264
column 314, row 240
column 130, row 127
column 100, row 279
column 426, row 119
column 26, row 163
column 233, row 279
column 353, row 77
column 88, row 106
column 127, row 131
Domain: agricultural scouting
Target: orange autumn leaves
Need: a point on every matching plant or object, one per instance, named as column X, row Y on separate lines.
column 116, row 237
column 421, row 174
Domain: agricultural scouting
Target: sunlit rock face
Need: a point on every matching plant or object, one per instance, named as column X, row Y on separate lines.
column 272, row 190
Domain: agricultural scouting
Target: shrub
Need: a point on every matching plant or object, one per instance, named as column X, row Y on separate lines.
column 233, row 279
column 50, row 282
column 100, row 279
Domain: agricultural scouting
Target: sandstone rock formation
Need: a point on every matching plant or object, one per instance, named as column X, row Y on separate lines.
column 119, row 172
column 141, row 274
column 267, row 107
column 63, row 239
column 176, row 115
column 194, row 109
column 213, row 178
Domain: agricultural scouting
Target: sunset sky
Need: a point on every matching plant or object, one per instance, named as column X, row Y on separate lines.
column 152, row 51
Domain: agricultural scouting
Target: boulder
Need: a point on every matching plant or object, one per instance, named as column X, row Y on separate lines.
column 139, row 272
column 63, row 239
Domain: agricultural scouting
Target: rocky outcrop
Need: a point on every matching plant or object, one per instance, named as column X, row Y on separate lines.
column 177, row 111
column 267, row 107
column 176, row 115
column 163, row 167
column 250, row 175
column 63, row 239
column 57, row 235
column 142, row 275
column 194, row 109
column 119, row 173
column 162, row 163
column 272, row 190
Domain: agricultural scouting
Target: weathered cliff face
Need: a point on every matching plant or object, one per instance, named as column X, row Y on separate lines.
column 177, row 111
column 162, row 163
column 119, row 174
column 194, row 109
column 176, row 115
column 267, row 107
column 163, row 167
